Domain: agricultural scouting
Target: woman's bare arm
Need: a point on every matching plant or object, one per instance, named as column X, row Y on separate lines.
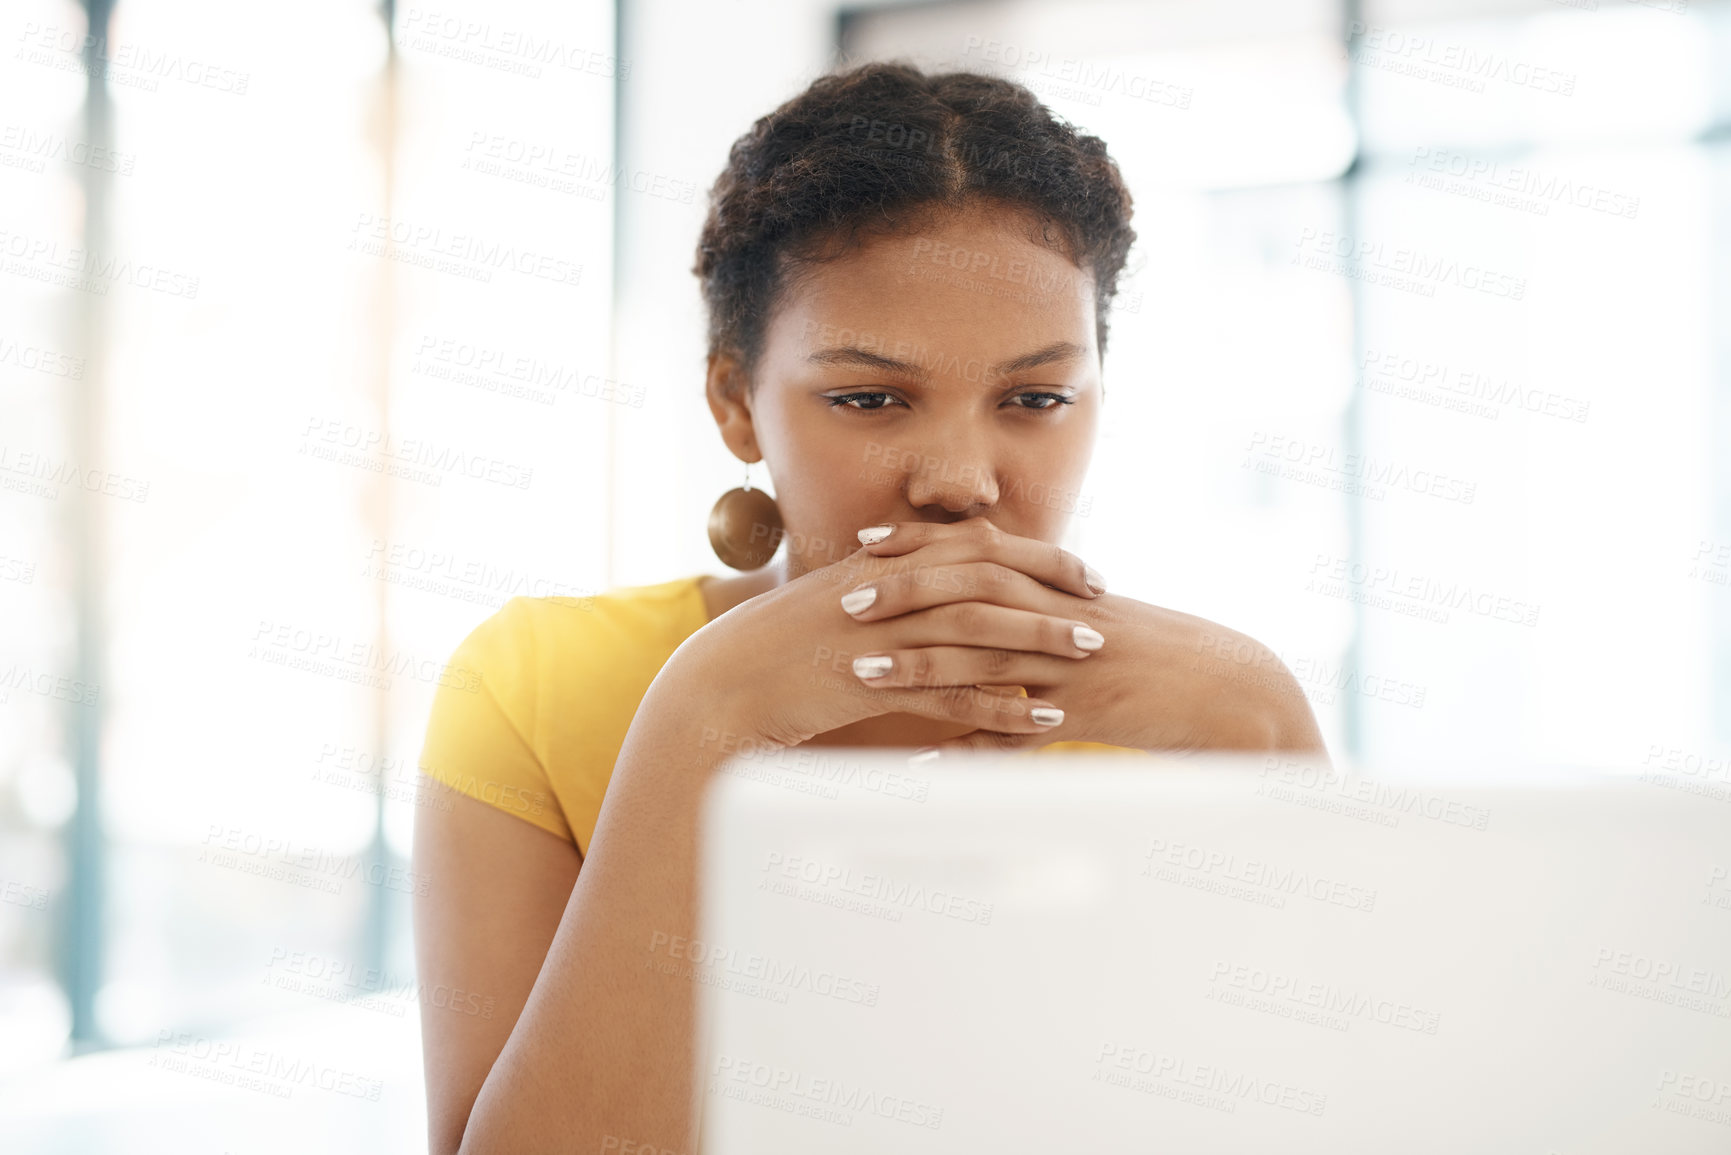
column 497, row 888
column 587, row 1043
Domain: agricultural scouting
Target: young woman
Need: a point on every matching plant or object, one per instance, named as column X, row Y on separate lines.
column 908, row 278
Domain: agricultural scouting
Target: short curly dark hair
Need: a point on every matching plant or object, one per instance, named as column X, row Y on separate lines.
column 870, row 148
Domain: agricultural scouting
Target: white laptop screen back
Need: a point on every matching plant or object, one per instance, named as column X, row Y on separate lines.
column 1252, row 954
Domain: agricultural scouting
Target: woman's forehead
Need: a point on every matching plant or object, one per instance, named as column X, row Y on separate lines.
column 974, row 281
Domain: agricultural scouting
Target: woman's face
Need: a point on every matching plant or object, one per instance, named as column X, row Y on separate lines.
column 934, row 376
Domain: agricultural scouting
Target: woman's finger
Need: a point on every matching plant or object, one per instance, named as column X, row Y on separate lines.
column 957, row 666
column 920, row 586
column 984, row 624
column 978, row 539
column 999, row 709
column 985, row 741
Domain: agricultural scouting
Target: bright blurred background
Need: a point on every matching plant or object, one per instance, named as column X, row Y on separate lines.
column 326, row 329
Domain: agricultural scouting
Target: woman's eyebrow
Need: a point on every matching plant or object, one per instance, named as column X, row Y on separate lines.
column 1056, row 351
column 865, row 359
column 853, row 355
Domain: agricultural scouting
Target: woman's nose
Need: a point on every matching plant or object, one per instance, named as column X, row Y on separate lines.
column 953, row 482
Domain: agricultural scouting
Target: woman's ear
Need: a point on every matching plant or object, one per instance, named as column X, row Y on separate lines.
column 728, row 391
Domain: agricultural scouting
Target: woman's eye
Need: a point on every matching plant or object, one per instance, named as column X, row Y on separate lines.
column 1052, row 400
column 873, row 400
column 867, row 400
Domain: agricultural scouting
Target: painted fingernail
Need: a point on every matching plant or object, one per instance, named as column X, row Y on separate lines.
column 872, row 665
column 857, row 601
column 1094, row 580
column 875, row 534
column 1046, row 715
column 923, row 755
column 1087, row 639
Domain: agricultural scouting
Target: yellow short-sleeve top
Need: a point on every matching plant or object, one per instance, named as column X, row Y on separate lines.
column 550, row 687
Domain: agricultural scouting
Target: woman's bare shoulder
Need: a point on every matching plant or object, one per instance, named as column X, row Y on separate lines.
column 1251, row 695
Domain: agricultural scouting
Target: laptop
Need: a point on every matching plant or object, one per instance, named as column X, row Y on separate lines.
column 1076, row 953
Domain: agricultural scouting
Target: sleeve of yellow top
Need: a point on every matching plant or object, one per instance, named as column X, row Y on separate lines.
column 475, row 742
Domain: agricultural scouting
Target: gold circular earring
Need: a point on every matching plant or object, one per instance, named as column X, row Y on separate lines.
column 745, row 526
